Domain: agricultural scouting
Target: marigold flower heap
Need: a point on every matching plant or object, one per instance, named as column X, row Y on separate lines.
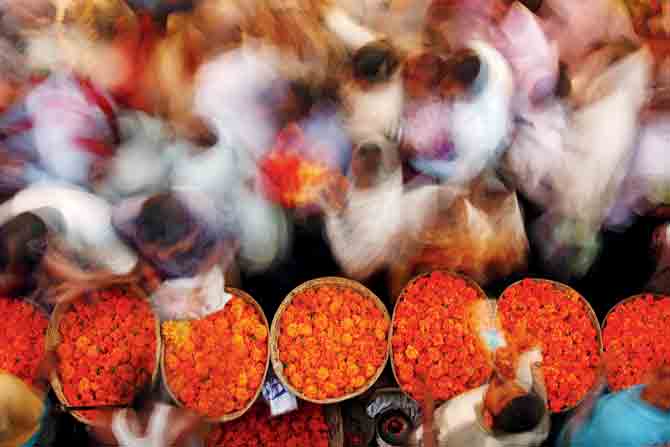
column 333, row 340
column 555, row 318
column 434, row 343
column 291, row 178
column 108, row 349
column 305, row 427
column 635, row 338
column 216, row 365
column 22, row 338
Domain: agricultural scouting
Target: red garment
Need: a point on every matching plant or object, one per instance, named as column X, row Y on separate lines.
column 137, row 45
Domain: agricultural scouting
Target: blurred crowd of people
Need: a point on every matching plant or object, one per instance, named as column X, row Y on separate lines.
column 133, row 135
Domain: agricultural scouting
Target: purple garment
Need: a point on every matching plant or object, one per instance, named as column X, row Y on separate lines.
column 183, row 265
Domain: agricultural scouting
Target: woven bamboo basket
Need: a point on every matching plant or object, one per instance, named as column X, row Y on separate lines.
column 468, row 280
column 53, row 340
column 278, row 365
column 592, row 316
column 656, row 296
column 231, row 416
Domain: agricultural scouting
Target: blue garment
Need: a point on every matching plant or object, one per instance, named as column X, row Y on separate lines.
column 623, row 419
column 33, row 440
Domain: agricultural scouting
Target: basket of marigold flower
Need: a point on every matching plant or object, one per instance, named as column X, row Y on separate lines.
column 22, row 340
column 310, row 425
column 635, row 334
column 329, row 340
column 216, row 365
column 434, row 337
column 108, row 347
column 554, row 317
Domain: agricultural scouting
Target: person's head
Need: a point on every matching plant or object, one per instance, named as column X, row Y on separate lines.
column 657, row 391
column 463, row 70
column 375, row 62
column 371, row 163
column 22, row 243
column 165, row 227
column 510, row 408
column 532, row 5
column 423, row 72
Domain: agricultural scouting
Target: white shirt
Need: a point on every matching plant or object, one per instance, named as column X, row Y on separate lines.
column 83, row 219
column 458, row 419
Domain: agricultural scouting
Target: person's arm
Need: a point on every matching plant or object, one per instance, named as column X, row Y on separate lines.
column 9, row 282
column 585, row 410
column 74, row 280
column 352, row 34
column 524, row 371
column 538, row 381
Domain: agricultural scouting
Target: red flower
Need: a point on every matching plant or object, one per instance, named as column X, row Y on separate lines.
column 216, row 365
column 333, row 341
column 434, row 341
column 108, row 349
column 305, row 427
column 22, row 338
column 636, row 338
column 537, row 312
column 291, row 178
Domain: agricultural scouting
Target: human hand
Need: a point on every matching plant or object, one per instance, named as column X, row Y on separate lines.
column 332, row 197
column 166, row 425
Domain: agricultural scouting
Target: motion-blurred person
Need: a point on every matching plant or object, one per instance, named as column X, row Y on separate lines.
column 150, row 422
column 144, row 159
column 476, row 112
column 480, row 233
column 451, row 24
column 179, row 237
column 570, row 160
column 533, row 56
column 68, row 234
column 66, row 128
column 22, row 408
column 367, row 224
column 636, row 417
column 660, row 247
column 501, row 413
column 578, row 26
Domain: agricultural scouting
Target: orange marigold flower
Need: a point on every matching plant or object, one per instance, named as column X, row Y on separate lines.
column 22, row 338
column 635, row 336
column 553, row 316
column 435, row 306
column 104, row 362
column 237, row 361
column 305, row 427
column 327, row 348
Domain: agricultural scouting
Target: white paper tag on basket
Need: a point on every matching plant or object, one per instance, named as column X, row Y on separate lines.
column 280, row 400
column 191, row 298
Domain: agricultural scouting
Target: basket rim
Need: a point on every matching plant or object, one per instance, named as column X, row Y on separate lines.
column 53, row 340
column 410, row 283
column 239, row 413
column 275, row 331
column 655, row 296
column 592, row 316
